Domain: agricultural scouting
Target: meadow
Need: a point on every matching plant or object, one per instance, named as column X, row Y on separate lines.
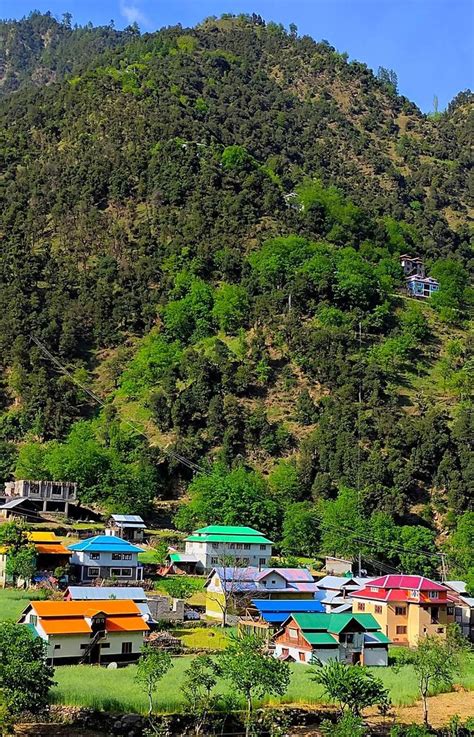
column 116, row 690
column 13, row 601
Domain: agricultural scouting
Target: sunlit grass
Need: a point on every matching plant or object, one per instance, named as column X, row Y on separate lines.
column 13, row 601
column 116, row 689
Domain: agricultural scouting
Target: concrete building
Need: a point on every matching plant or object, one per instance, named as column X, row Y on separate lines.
column 55, row 496
column 106, row 556
column 406, row 607
column 423, row 287
column 337, row 591
column 92, row 631
column 348, row 638
column 463, row 607
column 217, row 545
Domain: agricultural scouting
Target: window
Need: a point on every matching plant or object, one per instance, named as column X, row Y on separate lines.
column 122, row 572
column 360, row 606
column 105, row 644
column 126, row 648
column 93, row 572
column 232, row 546
column 57, row 647
column 285, row 652
column 450, row 610
column 401, row 629
column 378, row 609
column 262, row 561
column 214, row 561
column 302, row 657
column 263, row 547
column 94, row 556
column 116, row 556
column 238, row 546
column 374, row 588
column 433, row 594
column 440, row 630
column 215, row 546
column 400, row 611
column 414, row 594
column 292, row 633
column 246, row 546
column 127, row 556
column 33, row 619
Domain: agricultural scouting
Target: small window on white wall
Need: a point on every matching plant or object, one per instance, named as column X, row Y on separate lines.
column 293, row 633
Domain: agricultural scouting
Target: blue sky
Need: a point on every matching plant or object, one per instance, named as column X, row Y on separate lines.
column 429, row 43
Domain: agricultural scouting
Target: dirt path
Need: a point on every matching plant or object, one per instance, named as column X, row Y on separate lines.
column 440, row 708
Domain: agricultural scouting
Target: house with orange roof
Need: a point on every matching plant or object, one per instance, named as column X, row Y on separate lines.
column 50, row 552
column 406, row 607
column 91, row 631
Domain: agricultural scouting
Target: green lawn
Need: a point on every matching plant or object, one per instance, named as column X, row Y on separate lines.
column 210, row 638
column 13, row 601
column 116, row 689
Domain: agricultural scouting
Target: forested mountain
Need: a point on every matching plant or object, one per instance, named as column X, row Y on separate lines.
column 203, row 227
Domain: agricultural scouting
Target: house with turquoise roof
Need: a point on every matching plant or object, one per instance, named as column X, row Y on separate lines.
column 106, row 556
column 345, row 637
column 224, row 545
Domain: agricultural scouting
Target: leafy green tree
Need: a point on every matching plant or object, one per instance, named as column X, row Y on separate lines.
column 25, row 677
column 21, row 554
column 300, row 529
column 231, row 306
column 347, row 725
column 179, row 588
column 31, row 462
column 152, row 666
column 274, row 263
column 436, row 661
column 351, row 687
column 199, row 681
column 417, row 547
column 342, row 525
column 284, row 483
column 236, row 497
column 306, row 410
column 252, row 672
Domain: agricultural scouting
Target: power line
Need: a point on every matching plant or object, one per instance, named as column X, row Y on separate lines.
column 176, row 456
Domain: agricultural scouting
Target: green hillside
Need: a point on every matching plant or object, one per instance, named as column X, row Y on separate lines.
column 203, row 226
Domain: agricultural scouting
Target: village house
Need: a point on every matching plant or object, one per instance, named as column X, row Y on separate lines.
column 406, row 607
column 240, row 585
column 128, row 526
column 463, row 605
column 49, row 550
column 265, row 616
column 424, row 287
column 347, row 638
column 55, row 496
column 91, row 631
column 106, row 556
column 337, row 591
column 219, row 544
column 412, row 265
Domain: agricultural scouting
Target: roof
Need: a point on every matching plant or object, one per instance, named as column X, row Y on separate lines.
column 81, row 593
column 252, row 578
column 15, row 502
column 301, row 575
column 458, row 586
column 320, row 638
column 227, row 530
column 214, row 538
column 334, row 622
column 339, row 582
column 43, row 537
column 419, row 583
column 183, row 558
column 71, row 617
column 275, row 611
column 128, row 518
column 48, row 549
column 45, row 609
column 105, row 543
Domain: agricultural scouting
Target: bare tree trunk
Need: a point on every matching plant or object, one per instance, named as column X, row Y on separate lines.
column 150, row 702
column 425, row 707
column 248, row 716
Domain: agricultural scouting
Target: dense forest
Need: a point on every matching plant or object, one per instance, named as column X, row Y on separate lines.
column 201, row 295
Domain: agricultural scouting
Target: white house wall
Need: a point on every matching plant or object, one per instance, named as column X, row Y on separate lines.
column 212, row 554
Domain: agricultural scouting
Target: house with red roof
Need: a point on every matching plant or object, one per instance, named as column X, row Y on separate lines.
column 406, row 607
column 90, row 631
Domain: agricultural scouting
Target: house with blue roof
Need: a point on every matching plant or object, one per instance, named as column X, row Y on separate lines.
column 106, row 556
column 265, row 616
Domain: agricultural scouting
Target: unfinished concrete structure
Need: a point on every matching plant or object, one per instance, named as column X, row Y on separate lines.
column 54, row 496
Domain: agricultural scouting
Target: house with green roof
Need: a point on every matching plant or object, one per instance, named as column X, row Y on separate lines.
column 221, row 545
column 346, row 637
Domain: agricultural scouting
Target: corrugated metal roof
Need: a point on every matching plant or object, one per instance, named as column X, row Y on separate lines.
column 14, row 502
column 334, row 622
column 287, row 605
column 419, row 583
column 228, row 530
column 126, row 624
column 214, row 538
column 292, row 575
column 320, row 638
column 99, row 593
column 376, row 637
column 127, row 518
column 49, row 549
column 65, row 609
column 183, row 558
column 105, row 543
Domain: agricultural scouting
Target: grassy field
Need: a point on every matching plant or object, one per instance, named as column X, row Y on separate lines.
column 116, row 689
column 210, row 638
column 13, row 601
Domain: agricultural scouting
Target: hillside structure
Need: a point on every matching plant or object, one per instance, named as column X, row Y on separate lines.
column 220, row 545
column 111, row 593
column 128, row 526
column 406, row 607
column 106, row 556
column 234, row 588
column 49, row 550
column 348, row 638
column 90, row 631
column 265, row 616
column 55, row 496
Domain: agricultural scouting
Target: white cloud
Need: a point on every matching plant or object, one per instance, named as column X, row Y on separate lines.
column 133, row 14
